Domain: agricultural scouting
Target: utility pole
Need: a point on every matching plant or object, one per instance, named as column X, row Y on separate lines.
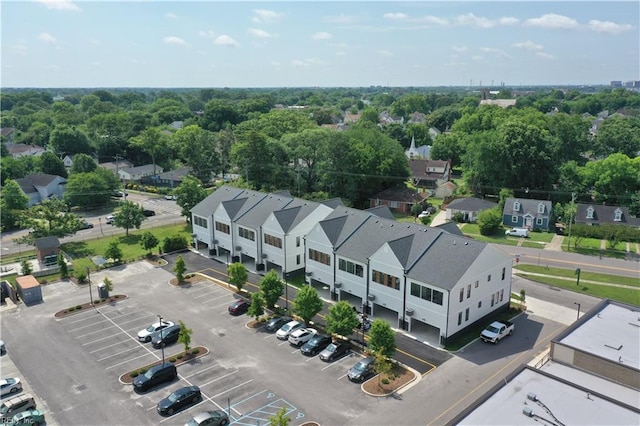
column 573, row 198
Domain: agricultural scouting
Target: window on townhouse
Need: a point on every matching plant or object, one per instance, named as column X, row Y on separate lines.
column 415, row 289
column 516, row 206
column 514, row 219
column 297, row 259
column 538, row 221
column 298, row 241
column 223, row 227
column 386, row 279
column 477, row 283
column 493, row 299
column 488, row 277
column 273, row 240
column 459, row 318
column 461, row 294
column 350, row 267
column 504, row 272
column 468, row 291
column 541, row 208
column 437, row 297
column 319, row 256
column 590, row 213
column 466, row 314
column 246, row 233
column 200, row 221
column 479, row 304
column 501, row 295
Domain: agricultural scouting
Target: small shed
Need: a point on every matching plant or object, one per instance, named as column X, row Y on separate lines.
column 47, row 250
column 29, row 289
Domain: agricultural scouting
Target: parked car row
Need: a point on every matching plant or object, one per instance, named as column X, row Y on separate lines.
column 20, row 410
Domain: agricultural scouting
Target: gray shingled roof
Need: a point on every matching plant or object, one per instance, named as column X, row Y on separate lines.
column 206, row 207
column 471, row 204
column 381, row 211
column 333, row 203
column 450, row 227
column 446, row 261
column 371, row 235
column 258, row 208
column 232, row 207
column 294, row 213
column 526, row 206
column 46, row 243
column 605, row 214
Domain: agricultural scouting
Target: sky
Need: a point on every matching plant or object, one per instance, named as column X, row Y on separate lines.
column 171, row 44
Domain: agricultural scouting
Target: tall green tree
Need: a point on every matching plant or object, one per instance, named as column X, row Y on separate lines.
column 490, row 221
column 342, row 319
column 306, row 149
column 67, row 140
column 198, row 148
column 128, row 216
column 13, row 202
column 51, row 164
column 87, row 190
column 272, row 287
column 190, row 192
column 148, row 241
column 256, row 309
column 180, row 268
column 113, row 251
column 83, row 163
column 237, row 275
column 618, row 135
column 382, row 338
column 252, row 157
column 307, row 303
column 154, row 142
column 184, row 336
column 50, row 218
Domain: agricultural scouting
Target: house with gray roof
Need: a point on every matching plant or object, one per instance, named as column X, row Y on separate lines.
column 139, row 172
column 599, row 214
column 527, row 213
column 469, row 208
column 41, row 186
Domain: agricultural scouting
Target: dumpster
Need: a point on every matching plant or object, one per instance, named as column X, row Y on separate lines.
column 103, row 293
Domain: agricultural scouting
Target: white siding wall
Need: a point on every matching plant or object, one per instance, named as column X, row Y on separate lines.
column 351, row 283
column 385, row 261
column 224, row 240
column 274, row 254
column 427, row 311
column 203, row 234
column 317, row 240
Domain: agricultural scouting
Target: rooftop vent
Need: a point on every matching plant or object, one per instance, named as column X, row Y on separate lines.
column 532, row 396
column 527, row 411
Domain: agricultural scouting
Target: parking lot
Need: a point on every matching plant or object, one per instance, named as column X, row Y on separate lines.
column 248, row 372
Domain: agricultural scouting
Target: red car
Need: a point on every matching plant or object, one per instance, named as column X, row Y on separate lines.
column 239, row 307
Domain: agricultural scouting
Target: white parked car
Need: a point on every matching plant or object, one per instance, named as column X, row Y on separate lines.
column 424, row 214
column 10, row 385
column 170, row 197
column 146, row 334
column 288, row 328
column 302, row 336
column 109, row 219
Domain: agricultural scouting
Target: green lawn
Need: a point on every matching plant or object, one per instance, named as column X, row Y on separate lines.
column 584, row 275
column 81, row 251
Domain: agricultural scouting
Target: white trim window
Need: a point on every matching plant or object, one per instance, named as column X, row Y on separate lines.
column 541, row 208
column 590, row 213
column 516, row 206
column 618, row 216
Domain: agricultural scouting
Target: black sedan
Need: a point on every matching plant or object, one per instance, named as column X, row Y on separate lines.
column 239, row 307
column 334, row 351
column 275, row 323
column 315, row 345
column 147, row 213
column 181, row 398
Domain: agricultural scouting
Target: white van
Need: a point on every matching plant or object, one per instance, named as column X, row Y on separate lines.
column 517, row 232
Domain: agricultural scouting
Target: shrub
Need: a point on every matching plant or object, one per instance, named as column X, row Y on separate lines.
column 195, row 351
column 142, row 371
column 134, row 374
column 174, row 243
column 385, row 381
column 71, row 309
column 172, row 359
column 78, row 306
column 95, row 302
column 81, row 276
column 180, row 356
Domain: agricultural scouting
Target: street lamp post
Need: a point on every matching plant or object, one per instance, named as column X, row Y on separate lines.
column 161, row 342
column 89, row 281
column 573, row 198
column 576, row 303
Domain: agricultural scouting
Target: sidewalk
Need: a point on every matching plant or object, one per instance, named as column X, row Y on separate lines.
column 555, row 244
column 573, row 279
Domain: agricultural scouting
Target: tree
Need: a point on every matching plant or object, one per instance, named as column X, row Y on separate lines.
column 62, row 265
column 148, row 241
column 108, row 285
column 190, row 192
column 237, row 275
column 306, row 149
column 113, row 251
column 129, row 216
column 26, row 267
column 307, row 303
column 153, row 142
column 87, row 190
column 257, row 305
column 634, row 207
column 198, row 148
column 271, row 287
column 184, row 336
column 12, row 203
column 251, row 156
column 50, row 218
column 51, row 164
column 280, row 419
column 66, row 140
column 83, row 163
column 180, row 268
column 489, row 221
column 342, row 319
column 383, row 365
column 618, row 135
column 382, row 338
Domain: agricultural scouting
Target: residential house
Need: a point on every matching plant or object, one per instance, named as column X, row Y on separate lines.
column 468, row 207
column 430, row 173
column 444, row 190
column 387, row 118
column 527, row 213
column 132, row 174
column 599, row 214
column 40, row 186
column 433, row 133
column 8, row 134
column 417, row 117
column 115, row 166
column 417, row 153
column 398, row 198
column 422, row 279
column 171, row 178
column 17, row 150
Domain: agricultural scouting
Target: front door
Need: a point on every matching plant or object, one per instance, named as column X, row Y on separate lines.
column 528, row 222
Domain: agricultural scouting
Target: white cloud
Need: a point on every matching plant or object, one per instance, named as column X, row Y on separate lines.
column 396, row 16
column 475, row 21
column 340, row 19
column 497, row 52
column 47, row 38
column 528, row 45
column 225, row 40
column 385, row 53
column 551, row 20
column 170, row 15
column 266, row 16
column 208, row 34
column 306, row 63
column 428, row 19
column 59, row 4
column 544, row 55
column 259, row 33
column 321, row 36
column 341, row 53
column 608, row 27
column 459, row 49
column 508, row 20
column 175, row 41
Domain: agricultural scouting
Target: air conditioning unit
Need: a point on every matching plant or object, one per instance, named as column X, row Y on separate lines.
column 238, row 248
column 409, row 312
column 371, row 297
column 337, row 285
column 215, row 241
column 264, row 255
column 309, row 274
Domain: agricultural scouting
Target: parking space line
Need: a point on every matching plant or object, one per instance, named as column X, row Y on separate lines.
column 124, row 362
column 97, row 340
column 220, row 306
column 108, row 346
column 313, row 357
column 282, row 343
column 85, row 326
column 268, row 336
column 218, row 378
column 248, row 398
column 208, row 293
column 213, row 300
column 76, row 315
column 295, row 351
column 94, row 332
column 139, row 318
column 117, row 353
column 343, row 376
column 201, row 371
column 235, row 387
column 335, row 362
column 133, row 311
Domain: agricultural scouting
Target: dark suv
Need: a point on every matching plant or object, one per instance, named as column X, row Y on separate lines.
column 315, row 345
column 154, row 376
column 165, row 336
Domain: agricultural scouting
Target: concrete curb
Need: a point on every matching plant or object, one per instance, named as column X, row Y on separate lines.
column 417, row 377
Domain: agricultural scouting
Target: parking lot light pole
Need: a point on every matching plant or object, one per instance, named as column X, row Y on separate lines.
column 161, row 342
column 576, row 303
column 89, row 281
